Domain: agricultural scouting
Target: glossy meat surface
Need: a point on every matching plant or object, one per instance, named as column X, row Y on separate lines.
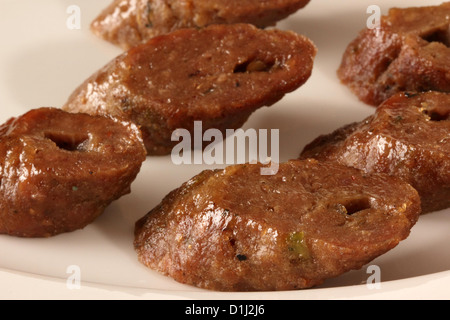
column 408, row 137
column 409, row 52
column 238, row 230
column 60, row 170
column 218, row 75
column 127, row 23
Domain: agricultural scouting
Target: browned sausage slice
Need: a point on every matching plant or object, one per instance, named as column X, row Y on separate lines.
column 408, row 137
column 238, row 230
column 218, row 75
column 409, row 52
column 127, row 23
column 60, row 170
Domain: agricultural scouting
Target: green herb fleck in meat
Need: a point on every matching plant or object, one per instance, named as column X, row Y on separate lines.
column 298, row 246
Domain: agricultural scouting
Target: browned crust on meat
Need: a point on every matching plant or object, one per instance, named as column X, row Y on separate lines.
column 408, row 137
column 237, row 230
column 59, row 170
column 127, row 23
column 409, row 52
column 218, row 75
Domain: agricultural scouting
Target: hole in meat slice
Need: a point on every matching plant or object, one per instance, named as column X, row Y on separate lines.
column 436, row 115
column 442, row 36
column 354, row 205
column 254, row 65
column 68, row 142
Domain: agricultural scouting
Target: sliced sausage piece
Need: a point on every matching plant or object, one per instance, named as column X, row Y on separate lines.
column 59, row 170
column 409, row 52
column 408, row 137
column 218, row 75
column 238, row 230
column 127, row 23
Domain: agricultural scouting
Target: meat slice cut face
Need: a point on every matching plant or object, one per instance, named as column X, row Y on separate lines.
column 59, row 170
column 127, row 23
column 408, row 137
column 218, row 75
column 237, row 230
column 409, row 52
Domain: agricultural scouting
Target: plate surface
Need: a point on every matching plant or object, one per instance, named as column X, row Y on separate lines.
column 43, row 61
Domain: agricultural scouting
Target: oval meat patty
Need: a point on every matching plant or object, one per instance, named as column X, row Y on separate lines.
column 409, row 52
column 218, row 75
column 408, row 137
column 238, row 230
column 59, row 170
column 127, row 23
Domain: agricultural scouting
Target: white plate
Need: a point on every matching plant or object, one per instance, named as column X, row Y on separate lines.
column 42, row 61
